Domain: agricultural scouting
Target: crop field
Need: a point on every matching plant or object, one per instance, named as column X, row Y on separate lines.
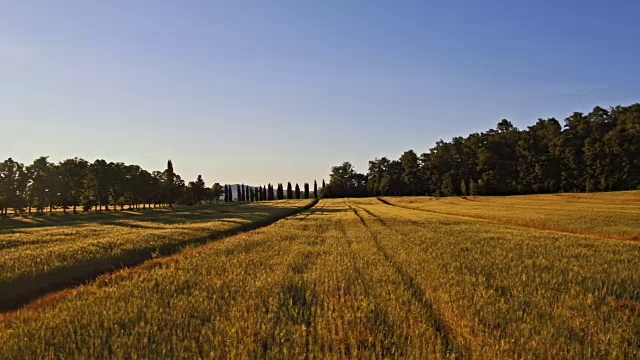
column 38, row 254
column 543, row 276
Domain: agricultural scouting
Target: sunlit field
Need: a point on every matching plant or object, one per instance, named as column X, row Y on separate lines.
column 513, row 277
column 38, row 254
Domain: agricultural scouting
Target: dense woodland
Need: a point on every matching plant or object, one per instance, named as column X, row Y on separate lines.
column 599, row 151
column 43, row 186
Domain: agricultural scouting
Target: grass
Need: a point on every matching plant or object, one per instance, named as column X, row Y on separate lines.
column 40, row 256
column 358, row 278
column 614, row 215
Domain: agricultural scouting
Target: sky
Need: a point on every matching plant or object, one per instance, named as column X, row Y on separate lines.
column 274, row 91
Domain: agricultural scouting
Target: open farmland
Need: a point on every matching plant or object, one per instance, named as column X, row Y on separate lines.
column 39, row 254
column 514, row 277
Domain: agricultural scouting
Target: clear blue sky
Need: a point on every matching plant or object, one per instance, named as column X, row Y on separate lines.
column 272, row 91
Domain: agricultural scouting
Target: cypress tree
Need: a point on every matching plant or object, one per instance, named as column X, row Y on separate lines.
column 239, row 191
column 226, row 194
column 297, row 191
column 315, row 189
column 252, row 194
column 247, row 193
column 268, row 193
column 289, row 191
column 280, row 192
column 170, row 183
column 306, row 190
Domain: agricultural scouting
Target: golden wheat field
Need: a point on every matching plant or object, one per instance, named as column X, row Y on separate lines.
column 542, row 276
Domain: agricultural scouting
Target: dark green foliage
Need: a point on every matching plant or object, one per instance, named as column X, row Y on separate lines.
column 306, row 190
column 289, row 191
column 297, row 191
column 239, row 192
column 169, row 182
column 345, row 182
column 599, row 151
column 280, row 192
column 270, row 194
column 101, row 185
column 215, row 192
column 315, row 189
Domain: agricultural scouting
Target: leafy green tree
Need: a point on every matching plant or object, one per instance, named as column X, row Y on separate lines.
column 199, row 187
column 43, row 184
column 410, row 171
column 344, row 181
column 216, row 192
column 538, row 168
column 13, row 186
column 73, row 174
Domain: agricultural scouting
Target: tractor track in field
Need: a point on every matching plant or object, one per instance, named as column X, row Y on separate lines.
column 516, row 224
column 410, row 283
column 311, row 211
column 27, row 299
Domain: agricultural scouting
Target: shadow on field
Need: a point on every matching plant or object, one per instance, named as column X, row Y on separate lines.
column 320, row 211
column 23, row 290
column 167, row 216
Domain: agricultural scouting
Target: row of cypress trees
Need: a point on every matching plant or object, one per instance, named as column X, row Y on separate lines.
column 263, row 193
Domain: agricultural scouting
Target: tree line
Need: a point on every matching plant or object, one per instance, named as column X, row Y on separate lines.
column 262, row 193
column 101, row 185
column 598, row 151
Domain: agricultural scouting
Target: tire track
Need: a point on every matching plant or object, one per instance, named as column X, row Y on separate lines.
column 516, row 224
column 13, row 302
column 437, row 321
